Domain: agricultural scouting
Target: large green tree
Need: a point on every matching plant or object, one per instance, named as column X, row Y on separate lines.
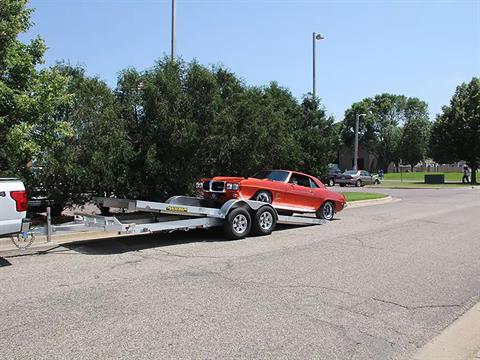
column 456, row 131
column 28, row 97
column 413, row 146
column 94, row 159
column 380, row 130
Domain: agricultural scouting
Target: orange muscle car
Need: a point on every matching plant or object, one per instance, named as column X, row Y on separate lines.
column 288, row 191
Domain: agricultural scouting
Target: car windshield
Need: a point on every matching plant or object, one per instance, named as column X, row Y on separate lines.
column 350, row 172
column 275, row 175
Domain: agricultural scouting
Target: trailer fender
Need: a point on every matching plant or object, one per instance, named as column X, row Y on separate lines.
column 250, row 205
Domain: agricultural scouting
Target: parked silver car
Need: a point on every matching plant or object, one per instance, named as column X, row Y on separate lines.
column 357, row 178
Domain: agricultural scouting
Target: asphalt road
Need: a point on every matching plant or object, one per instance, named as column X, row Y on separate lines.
column 377, row 283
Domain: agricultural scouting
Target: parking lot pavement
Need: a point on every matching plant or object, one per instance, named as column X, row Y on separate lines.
column 378, row 283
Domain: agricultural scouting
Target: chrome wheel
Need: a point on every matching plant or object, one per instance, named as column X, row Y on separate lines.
column 331, row 182
column 328, row 211
column 263, row 197
column 266, row 220
column 240, row 223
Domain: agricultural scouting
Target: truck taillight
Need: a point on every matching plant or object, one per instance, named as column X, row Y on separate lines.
column 20, row 198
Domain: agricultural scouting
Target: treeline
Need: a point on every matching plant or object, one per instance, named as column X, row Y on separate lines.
column 71, row 137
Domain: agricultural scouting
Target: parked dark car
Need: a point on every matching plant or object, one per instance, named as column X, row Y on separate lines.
column 333, row 171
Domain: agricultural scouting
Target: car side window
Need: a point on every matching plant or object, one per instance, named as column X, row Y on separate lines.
column 301, row 180
column 312, row 184
column 365, row 173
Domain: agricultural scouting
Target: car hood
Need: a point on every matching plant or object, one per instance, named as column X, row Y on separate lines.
column 227, row 178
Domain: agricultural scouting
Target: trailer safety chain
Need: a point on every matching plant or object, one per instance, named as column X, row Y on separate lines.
column 23, row 240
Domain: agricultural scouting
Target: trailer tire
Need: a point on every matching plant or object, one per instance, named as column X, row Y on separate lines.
column 238, row 224
column 264, row 221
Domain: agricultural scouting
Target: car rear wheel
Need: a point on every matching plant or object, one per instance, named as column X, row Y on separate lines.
column 331, row 182
column 263, row 196
column 264, row 221
column 237, row 224
column 358, row 183
column 326, row 211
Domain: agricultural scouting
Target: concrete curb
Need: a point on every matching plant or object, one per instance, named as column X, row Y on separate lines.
column 459, row 341
column 362, row 203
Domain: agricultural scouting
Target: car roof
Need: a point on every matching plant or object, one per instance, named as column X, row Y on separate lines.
column 296, row 172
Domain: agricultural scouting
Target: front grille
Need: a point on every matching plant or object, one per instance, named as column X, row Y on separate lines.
column 206, row 185
column 218, row 186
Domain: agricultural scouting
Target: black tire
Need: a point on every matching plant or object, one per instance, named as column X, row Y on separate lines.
column 263, row 196
column 264, row 221
column 237, row 219
column 331, row 182
column 326, row 211
column 376, row 182
column 342, row 185
column 358, row 183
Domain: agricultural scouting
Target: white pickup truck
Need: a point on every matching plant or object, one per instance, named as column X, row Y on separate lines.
column 13, row 207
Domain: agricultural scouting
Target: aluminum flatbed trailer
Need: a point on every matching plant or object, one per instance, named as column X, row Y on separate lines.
column 238, row 218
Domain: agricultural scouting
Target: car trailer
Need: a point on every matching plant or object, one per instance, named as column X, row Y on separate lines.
column 238, row 218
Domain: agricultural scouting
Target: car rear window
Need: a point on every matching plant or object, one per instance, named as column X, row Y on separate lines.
column 275, row 175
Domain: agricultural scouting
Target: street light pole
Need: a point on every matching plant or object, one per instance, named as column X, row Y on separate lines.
column 315, row 37
column 174, row 30
column 355, row 156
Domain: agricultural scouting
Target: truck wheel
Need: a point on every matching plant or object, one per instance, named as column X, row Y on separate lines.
column 264, row 221
column 358, row 183
column 237, row 224
column 263, row 196
column 331, row 182
column 326, row 211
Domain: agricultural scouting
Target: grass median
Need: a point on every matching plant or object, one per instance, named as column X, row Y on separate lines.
column 357, row 196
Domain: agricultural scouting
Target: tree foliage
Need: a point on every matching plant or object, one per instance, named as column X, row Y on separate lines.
column 380, row 130
column 456, row 131
column 28, row 97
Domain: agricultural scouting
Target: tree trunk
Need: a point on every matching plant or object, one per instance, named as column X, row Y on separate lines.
column 474, row 173
column 411, row 168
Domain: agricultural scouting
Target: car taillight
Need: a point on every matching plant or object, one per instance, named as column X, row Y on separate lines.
column 20, row 198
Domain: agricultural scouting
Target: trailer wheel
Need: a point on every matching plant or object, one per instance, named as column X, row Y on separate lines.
column 237, row 224
column 264, row 221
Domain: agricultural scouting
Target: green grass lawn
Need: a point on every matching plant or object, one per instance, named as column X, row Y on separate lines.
column 356, row 196
column 419, row 176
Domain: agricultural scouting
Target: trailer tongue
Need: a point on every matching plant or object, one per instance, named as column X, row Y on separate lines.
column 237, row 217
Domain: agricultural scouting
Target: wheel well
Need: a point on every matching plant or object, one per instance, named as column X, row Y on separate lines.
column 271, row 195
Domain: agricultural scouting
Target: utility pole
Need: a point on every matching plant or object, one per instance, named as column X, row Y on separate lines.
column 174, row 30
column 315, row 37
column 355, row 156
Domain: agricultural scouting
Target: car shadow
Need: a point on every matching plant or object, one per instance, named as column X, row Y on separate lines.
column 125, row 244
column 4, row 262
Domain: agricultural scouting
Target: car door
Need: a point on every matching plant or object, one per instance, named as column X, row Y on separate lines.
column 367, row 178
column 301, row 195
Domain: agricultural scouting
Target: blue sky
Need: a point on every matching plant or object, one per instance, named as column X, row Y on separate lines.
column 416, row 48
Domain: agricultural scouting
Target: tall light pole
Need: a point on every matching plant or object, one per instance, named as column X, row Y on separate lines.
column 355, row 156
column 174, row 30
column 315, row 37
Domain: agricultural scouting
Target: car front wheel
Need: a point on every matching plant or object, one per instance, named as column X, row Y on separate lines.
column 263, row 196
column 326, row 211
column 358, row 183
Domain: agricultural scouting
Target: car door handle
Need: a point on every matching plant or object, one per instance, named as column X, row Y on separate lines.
column 2, row 194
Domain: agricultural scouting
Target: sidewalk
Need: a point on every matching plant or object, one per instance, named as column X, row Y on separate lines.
column 459, row 341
